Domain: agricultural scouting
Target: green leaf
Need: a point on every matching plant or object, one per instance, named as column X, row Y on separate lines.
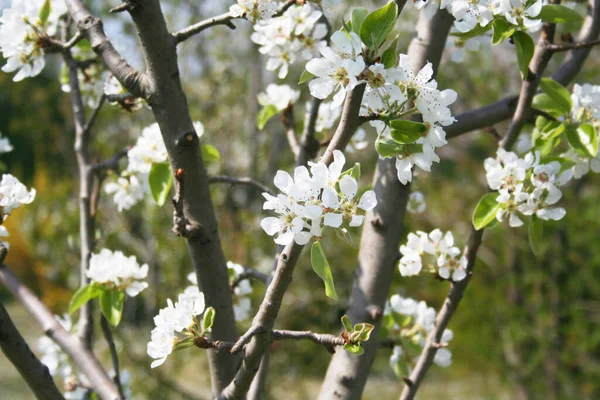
column 565, row 163
column 82, row 296
column 354, row 172
column 210, row 153
column 358, row 16
column 502, row 31
column 45, row 12
column 378, row 25
column 111, row 305
column 583, row 140
column 546, row 103
column 486, row 210
column 543, row 145
column 477, row 31
column 558, row 93
column 556, row 14
column 401, row 369
column 364, row 331
column 160, row 181
column 354, row 348
column 305, row 77
column 265, row 115
column 389, row 58
column 536, row 232
column 322, row 268
column 347, row 323
column 525, row 48
column 209, row 319
column 404, row 131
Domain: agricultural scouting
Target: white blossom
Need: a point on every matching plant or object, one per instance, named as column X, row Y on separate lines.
column 254, row 10
column 468, row 14
column 116, row 271
column 5, row 146
column 586, row 103
column 13, row 194
column 280, row 96
column 520, row 12
column 416, row 203
column 149, row 149
column 127, row 191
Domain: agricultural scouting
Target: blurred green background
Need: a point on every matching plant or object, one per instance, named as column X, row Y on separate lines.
column 527, row 327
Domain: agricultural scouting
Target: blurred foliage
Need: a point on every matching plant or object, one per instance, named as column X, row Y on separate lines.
column 526, row 325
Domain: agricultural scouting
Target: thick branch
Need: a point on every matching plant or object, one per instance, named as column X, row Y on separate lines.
column 381, row 233
column 92, row 29
column 81, row 356
column 31, row 369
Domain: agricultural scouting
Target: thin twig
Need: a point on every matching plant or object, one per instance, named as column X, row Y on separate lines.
column 290, row 128
column 112, row 164
column 557, row 48
column 240, row 181
column 245, row 338
column 92, row 119
column 249, row 273
column 327, row 340
column 113, row 354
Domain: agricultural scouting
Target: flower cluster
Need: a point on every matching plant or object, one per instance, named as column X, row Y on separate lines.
column 449, row 261
column 309, row 203
column 23, row 35
column 177, row 325
column 412, row 321
column 526, row 186
column 116, row 271
column 12, row 195
column 279, row 96
column 294, row 34
column 131, row 187
column 254, row 10
column 586, row 104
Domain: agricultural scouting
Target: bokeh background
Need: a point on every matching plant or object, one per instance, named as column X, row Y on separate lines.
column 527, row 326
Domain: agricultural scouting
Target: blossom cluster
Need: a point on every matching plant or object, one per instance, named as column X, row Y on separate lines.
column 449, row 262
column 254, row 10
column 242, row 306
column 468, row 14
column 295, row 34
column 412, row 321
column 117, row 271
column 23, row 35
column 132, row 185
column 526, row 186
column 279, row 96
column 177, row 325
column 309, row 203
column 13, row 194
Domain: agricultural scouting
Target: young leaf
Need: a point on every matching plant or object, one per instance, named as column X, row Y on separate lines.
column 209, row 319
column 45, row 12
column 486, row 211
column 160, row 181
column 210, row 153
column 82, row 296
column 477, row 31
column 305, row 77
column 401, row 369
column 389, row 58
column 354, row 348
column 536, row 231
column 583, row 140
column 364, row 331
column 347, row 323
column 525, row 48
column 558, row 93
column 502, row 31
column 378, row 25
column 111, row 305
column 546, row 103
column 556, row 14
column 388, row 148
column 358, row 16
column 265, row 115
column 404, row 131
column 322, row 268
column 353, row 172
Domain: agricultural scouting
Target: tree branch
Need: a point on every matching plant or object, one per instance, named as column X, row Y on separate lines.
column 113, row 354
column 99, row 380
column 503, row 109
column 290, row 129
column 247, row 274
column 529, row 87
column 92, row 29
column 240, row 181
column 557, row 48
column 31, row 369
column 223, row 19
column 327, row 340
column 382, row 230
